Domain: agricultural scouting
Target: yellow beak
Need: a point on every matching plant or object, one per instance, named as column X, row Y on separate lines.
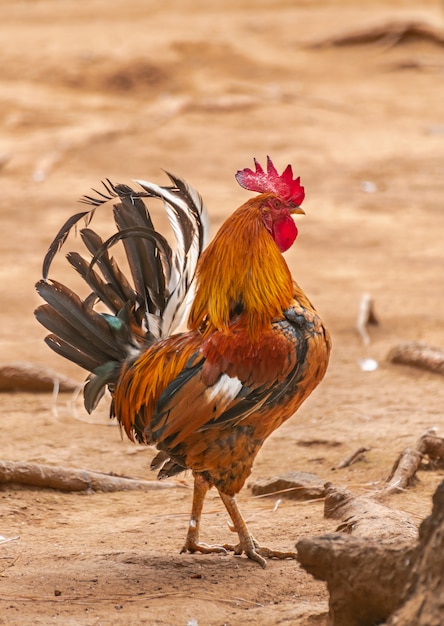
column 297, row 210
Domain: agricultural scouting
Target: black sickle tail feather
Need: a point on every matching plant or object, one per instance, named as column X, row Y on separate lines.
column 141, row 308
column 75, row 321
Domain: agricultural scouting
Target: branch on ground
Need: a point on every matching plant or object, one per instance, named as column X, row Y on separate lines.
column 354, row 457
column 29, row 377
column 364, row 516
column 386, row 35
column 418, row 355
column 428, row 453
column 66, row 479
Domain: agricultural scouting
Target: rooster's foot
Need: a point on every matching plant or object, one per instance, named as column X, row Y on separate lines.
column 192, row 543
column 247, row 543
column 250, row 547
column 203, row 548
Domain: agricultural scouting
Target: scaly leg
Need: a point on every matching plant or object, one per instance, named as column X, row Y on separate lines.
column 247, row 543
column 192, row 543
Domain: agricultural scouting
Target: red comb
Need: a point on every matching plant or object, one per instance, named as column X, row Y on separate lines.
column 270, row 181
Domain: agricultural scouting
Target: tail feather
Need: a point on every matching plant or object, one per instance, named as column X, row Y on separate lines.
column 147, row 304
column 103, row 291
column 95, row 384
column 148, row 299
column 108, row 267
column 100, row 198
column 66, row 315
column 188, row 217
column 72, row 353
column 69, row 334
column 142, row 254
column 61, row 237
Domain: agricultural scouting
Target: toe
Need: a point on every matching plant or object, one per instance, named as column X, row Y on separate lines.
column 258, row 553
column 203, row 548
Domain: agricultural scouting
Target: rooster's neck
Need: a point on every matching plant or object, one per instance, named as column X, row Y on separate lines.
column 242, row 274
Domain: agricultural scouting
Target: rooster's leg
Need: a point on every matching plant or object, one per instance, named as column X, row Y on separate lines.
column 247, row 543
column 192, row 543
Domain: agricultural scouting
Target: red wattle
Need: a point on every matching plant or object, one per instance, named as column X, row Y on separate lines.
column 284, row 233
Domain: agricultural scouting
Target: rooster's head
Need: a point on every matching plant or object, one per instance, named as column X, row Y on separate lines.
column 282, row 196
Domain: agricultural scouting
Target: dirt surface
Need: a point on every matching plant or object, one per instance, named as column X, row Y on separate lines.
column 123, row 89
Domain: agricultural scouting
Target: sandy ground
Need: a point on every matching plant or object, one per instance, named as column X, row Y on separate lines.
column 123, row 89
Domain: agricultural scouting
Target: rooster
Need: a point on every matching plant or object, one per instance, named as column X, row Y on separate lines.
column 254, row 349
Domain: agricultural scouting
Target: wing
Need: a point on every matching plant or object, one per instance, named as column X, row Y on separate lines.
column 228, row 381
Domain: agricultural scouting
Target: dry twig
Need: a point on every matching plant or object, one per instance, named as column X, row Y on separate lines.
column 404, row 470
column 66, row 479
column 385, row 35
column 8, row 539
column 366, row 316
column 418, row 355
column 29, row 377
column 403, row 473
column 354, row 457
column 432, row 446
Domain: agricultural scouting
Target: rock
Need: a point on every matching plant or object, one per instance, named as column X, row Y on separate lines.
column 295, row 485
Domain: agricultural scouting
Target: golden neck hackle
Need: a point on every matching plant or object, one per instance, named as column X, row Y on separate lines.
column 242, row 272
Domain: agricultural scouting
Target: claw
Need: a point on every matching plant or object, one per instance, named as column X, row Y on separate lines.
column 258, row 553
column 252, row 553
column 203, row 548
column 247, row 543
